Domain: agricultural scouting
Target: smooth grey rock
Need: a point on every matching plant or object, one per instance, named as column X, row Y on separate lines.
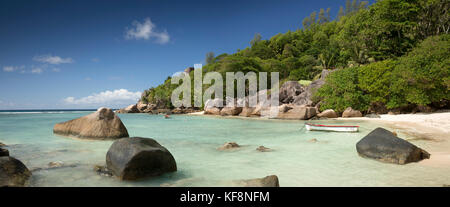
column 136, row 157
column 383, row 145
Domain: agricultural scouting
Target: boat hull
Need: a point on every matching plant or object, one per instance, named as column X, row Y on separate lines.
column 311, row 127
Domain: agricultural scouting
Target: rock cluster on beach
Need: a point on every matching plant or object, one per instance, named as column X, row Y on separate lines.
column 102, row 124
column 295, row 102
column 154, row 109
column 383, row 145
column 136, row 157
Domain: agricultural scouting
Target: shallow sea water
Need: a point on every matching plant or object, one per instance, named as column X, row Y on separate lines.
column 193, row 141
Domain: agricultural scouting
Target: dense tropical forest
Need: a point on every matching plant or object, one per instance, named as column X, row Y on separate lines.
column 393, row 54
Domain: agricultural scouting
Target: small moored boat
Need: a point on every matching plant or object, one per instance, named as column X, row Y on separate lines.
column 331, row 128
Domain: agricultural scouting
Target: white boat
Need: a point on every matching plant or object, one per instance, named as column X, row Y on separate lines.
column 331, row 128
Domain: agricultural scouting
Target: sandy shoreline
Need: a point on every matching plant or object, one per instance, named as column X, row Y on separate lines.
column 428, row 123
column 420, row 123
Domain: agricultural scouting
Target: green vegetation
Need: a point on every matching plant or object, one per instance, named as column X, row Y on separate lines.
column 394, row 53
column 305, row 82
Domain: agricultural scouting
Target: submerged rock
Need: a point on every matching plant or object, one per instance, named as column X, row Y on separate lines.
column 268, row 181
column 59, row 164
column 263, row 149
column 229, row 145
column 4, row 152
column 13, row 173
column 383, row 145
column 55, row 164
column 103, row 170
column 102, row 124
column 329, row 113
column 349, row 112
column 313, row 140
column 136, row 157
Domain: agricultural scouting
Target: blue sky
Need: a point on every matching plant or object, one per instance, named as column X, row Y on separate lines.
column 87, row 54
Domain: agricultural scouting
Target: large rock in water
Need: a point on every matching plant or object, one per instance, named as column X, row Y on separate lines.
column 349, row 112
column 289, row 90
column 13, row 173
column 4, row 152
column 102, row 124
column 136, row 157
column 383, row 145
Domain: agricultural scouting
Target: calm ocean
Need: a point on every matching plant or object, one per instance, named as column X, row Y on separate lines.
column 193, row 141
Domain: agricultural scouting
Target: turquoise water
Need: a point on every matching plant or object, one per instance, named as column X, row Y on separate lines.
column 193, row 141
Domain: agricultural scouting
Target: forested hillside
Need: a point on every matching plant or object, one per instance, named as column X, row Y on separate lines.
column 393, row 54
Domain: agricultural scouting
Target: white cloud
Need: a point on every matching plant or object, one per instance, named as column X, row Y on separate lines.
column 95, row 60
column 55, row 60
column 9, row 68
column 37, row 70
column 56, row 70
column 106, row 98
column 146, row 31
column 12, row 68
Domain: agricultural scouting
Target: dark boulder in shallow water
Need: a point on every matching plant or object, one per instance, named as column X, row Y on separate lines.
column 383, row 145
column 102, row 124
column 136, row 157
column 268, row 181
column 13, row 173
column 4, row 152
